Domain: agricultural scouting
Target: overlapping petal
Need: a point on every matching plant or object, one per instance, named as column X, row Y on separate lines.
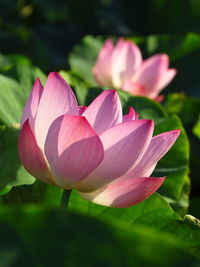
column 102, row 68
column 73, row 149
column 107, row 157
column 57, row 99
column 31, row 155
column 126, row 58
column 121, row 67
column 125, row 192
column 153, row 74
column 158, row 147
column 31, row 107
column 124, row 145
column 104, row 112
column 131, row 116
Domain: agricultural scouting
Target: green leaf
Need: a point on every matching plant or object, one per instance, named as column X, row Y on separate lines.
column 196, row 129
column 11, row 100
column 14, row 91
column 37, row 193
column 12, row 172
column 174, row 164
column 147, row 108
column 187, row 109
column 12, row 249
column 176, row 46
column 189, row 231
column 26, row 74
column 82, row 57
column 5, row 62
column 61, row 238
column 153, row 212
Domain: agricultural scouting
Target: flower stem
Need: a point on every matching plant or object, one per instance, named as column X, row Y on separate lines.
column 65, row 198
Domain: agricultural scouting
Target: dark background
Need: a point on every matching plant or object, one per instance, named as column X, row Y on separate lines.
column 46, row 30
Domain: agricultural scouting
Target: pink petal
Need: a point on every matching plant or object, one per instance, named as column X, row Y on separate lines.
column 131, row 116
column 104, row 112
column 124, row 145
column 125, row 192
column 159, row 98
column 102, row 68
column 125, row 61
column 166, row 78
column 81, row 109
column 134, row 88
column 32, row 103
column 31, row 156
column 158, row 147
column 73, row 149
column 154, row 74
column 57, row 99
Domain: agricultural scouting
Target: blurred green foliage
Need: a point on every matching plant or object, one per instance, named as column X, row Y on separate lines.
column 52, row 237
column 47, row 30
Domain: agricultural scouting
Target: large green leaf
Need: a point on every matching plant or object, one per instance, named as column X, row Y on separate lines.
column 147, row 108
column 174, row 164
column 153, row 212
column 82, row 57
column 15, row 86
column 61, row 238
column 12, row 173
column 37, row 193
column 186, row 107
column 11, row 100
column 176, row 46
column 196, row 129
column 188, row 110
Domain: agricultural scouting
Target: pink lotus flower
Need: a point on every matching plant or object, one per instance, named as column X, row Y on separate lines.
column 121, row 67
column 106, row 156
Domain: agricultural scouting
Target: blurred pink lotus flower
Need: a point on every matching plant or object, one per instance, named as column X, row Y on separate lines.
column 106, row 156
column 121, row 67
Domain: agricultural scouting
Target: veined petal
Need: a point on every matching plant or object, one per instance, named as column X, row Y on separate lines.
column 158, row 147
column 131, row 116
column 32, row 103
column 57, row 99
column 102, row 68
column 124, row 145
column 125, row 192
column 104, row 112
column 73, row 149
column 125, row 61
column 31, row 156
